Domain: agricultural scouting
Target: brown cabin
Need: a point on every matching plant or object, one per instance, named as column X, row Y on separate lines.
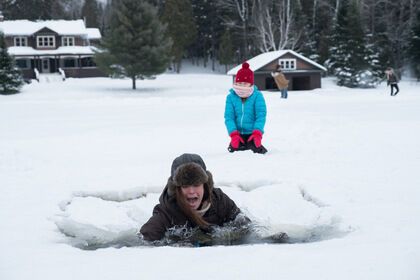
column 302, row 72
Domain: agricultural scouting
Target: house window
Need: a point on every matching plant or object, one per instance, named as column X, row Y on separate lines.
column 45, row 41
column 88, row 62
column 23, row 63
column 21, row 41
column 69, row 63
column 288, row 64
column 68, row 41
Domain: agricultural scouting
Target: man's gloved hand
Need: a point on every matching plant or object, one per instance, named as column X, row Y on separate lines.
column 200, row 238
column 230, row 235
column 235, row 139
column 257, row 137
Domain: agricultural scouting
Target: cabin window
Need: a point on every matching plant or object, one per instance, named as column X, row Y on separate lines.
column 45, row 41
column 88, row 62
column 69, row 63
column 23, row 63
column 21, row 41
column 288, row 64
column 68, row 41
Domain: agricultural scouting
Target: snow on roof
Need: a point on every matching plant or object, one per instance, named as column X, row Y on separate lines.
column 74, row 50
column 25, row 27
column 263, row 59
column 93, row 33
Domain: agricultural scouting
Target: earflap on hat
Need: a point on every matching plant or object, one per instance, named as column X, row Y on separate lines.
column 208, row 187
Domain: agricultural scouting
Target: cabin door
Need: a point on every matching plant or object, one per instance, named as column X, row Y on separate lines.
column 45, row 65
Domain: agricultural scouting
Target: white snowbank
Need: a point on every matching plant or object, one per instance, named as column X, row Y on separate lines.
column 91, row 156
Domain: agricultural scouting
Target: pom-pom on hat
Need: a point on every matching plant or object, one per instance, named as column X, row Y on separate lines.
column 245, row 75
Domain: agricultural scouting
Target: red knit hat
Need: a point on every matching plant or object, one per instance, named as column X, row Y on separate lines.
column 245, row 75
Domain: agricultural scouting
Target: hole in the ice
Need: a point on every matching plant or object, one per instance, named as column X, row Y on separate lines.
column 92, row 221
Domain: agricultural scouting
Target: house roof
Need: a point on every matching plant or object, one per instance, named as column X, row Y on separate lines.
column 263, row 59
column 27, row 28
column 93, row 33
column 28, row 51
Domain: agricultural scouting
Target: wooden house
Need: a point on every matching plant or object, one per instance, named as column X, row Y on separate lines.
column 52, row 46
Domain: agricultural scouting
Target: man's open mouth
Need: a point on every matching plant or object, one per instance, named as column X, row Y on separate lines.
column 192, row 200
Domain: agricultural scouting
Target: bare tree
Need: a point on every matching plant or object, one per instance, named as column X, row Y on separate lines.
column 315, row 6
column 73, row 8
column 276, row 24
column 337, row 7
column 237, row 18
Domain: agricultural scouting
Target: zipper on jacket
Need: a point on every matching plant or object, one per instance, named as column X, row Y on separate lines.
column 242, row 117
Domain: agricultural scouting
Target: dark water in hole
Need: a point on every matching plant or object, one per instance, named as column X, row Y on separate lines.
column 182, row 236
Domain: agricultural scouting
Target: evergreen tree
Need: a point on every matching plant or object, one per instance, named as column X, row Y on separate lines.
column 181, row 28
column 414, row 50
column 226, row 50
column 54, row 9
column 349, row 59
column 209, row 29
column 318, row 28
column 135, row 44
column 90, row 12
column 10, row 78
column 33, row 9
column 5, row 8
column 384, row 47
column 376, row 61
column 309, row 47
column 159, row 4
column 23, row 9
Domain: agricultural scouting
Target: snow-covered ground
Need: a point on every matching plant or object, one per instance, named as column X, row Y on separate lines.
column 83, row 162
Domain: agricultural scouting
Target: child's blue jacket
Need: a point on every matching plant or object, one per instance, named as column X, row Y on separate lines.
column 246, row 116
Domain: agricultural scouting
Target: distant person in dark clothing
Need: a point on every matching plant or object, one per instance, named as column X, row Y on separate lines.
column 392, row 80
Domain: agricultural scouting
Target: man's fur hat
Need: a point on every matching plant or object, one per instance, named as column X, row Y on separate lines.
column 190, row 174
column 190, row 170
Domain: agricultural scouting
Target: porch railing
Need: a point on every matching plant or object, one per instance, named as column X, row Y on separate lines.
column 36, row 74
column 62, row 73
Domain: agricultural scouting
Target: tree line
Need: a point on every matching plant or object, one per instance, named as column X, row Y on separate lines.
column 355, row 39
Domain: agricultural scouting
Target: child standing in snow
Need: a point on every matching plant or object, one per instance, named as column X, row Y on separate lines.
column 392, row 80
column 245, row 113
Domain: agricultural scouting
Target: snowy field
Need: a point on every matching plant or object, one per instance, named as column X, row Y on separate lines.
column 82, row 163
